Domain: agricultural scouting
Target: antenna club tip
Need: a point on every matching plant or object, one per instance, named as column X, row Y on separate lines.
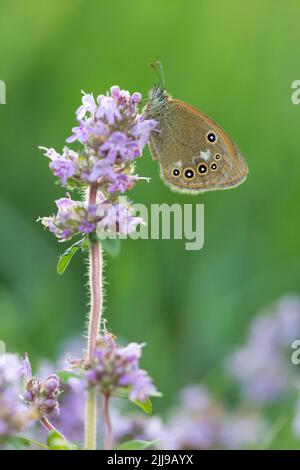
column 158, row 68
column 155, row 64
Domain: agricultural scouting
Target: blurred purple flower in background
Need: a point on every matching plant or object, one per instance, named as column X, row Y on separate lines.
column 241, row 430
column 71, row 418
column 131, row 426
column 14, row 416
column 195, row 423
column 263, row 367
column 199, row 420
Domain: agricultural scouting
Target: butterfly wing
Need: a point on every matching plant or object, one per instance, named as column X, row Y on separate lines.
column 194, row 152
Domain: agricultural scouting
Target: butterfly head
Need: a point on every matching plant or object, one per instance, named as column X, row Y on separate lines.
column 158, row 101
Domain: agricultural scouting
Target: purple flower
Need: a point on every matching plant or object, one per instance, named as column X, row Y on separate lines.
column 136, row 97
column 113, row 135
column 113, row 368
column 115, row 92
column 107, row 109
column 141, row 385
column 72, row 218
column 102, row 169
column 118, row 218
column 51, row 385
column 63, row 169
column 86, row 227
column 63, row 166
column 41, row 396
column 114, row 146
column 82, row 133
column 75, row 217
column 88, row 106
column 262, row 367
column 111, row 127
column 142, row 130
column 122, row 183
column 120, row 146
column 70, row 421
column 26, row 368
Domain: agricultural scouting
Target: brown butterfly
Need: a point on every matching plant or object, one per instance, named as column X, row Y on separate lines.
column 194, row 152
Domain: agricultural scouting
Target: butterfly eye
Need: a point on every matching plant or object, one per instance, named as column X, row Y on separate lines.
column 176, row 172
column 202, row 169
column 189, row 173
column 217, row 156
column 211, row 137
column 213, row 166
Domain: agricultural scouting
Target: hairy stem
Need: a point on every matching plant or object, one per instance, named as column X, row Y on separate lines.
column 93, row 329
column 96, row 297
column 109, row 435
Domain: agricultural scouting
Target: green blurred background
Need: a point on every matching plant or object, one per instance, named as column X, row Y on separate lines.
column 233, row 60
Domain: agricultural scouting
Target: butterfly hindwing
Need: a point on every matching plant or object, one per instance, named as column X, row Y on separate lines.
column 194, row 152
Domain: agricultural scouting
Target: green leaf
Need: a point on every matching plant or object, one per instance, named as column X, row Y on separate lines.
column 31, row 441
column 156, row 394
column 273, row 432
column 146, row 406
column 65, row 375
column 16, row 442
column 111, row 246
column 136, row 445
column 65, row 258
column 56, row 441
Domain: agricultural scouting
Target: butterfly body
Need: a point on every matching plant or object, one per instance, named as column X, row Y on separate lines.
column 194, row 152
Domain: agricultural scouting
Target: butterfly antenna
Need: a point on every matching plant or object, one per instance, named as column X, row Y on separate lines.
column 158, row 69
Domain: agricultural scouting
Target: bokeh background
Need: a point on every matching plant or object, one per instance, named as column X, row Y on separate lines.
column 233, row 60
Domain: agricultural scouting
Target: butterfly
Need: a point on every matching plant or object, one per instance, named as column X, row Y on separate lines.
column 194, row 152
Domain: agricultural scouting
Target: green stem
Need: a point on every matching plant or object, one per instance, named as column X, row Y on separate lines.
column 49, row 426
column 91, row 412
column 107, row 418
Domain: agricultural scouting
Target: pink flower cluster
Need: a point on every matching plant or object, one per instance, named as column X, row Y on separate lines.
column 114, row 369
column 75, row 217
column 14, row 415
column 113, row 134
